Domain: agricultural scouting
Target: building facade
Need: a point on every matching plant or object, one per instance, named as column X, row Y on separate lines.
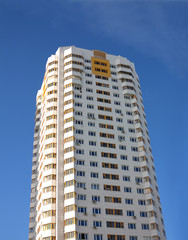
column 93, row 175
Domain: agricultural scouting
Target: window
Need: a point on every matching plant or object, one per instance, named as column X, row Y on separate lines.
column 82, row 236
column 133, row 238
column 89, row 98
column 119, row 119
column 131, row 226
column 117, row 103
column 128, row 201
column 110, row 176
column 145, row 226
column 96, row 211
column 141, row 202
column 114, row 224
column 91, row 115
column 104, row 109
column 108, row 145
column 114, row 212
column 107, row 135
column 90, row 106
column 132, row 139
column 80, row 151
column 89, row 82
column 115, row 237
column 124, row 167
column 81, row 197
column 109, row 165
column 93, row 153
column 103, row 92
column 78, row 113
column 115, row 94
column 80, row 162
column 126, row 178
column 91, row 133
column 94, row 164
column 79, row 122
column 131, row 130
column 79, row 141
column 91, row 124
column 115, row 87
column 138, row 180
column 96, row 198
column 105, row 117
column 81, row 173
column 121, row 138
column 78, row 104
column 79, row 131
column 136, row 159
column 77, row 96
column 95, row 186
column 134, row 149
column 112, row 188
column 123, row 157
column 140, row 190
column 137, row 169
column 108, row 155
column 82, row 209
column 118, row 111
column 82, row 223
column 130, row 121
column 112, row 199
column 122, row 147
column 101, row 125
column 127, row 105
column 143, row 214
column 130, row 213
column 104, row 100
column 89, row 90
column 94, row 175
column 127, row 189
column 97, row 224
column 98, row 237
column 81, row 185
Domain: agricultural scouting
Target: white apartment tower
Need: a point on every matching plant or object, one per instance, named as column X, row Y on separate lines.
column 93, row 176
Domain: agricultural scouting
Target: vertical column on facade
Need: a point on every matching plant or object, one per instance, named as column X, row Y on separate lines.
column 32, row 215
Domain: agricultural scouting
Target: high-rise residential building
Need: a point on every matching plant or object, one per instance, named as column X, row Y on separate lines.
column 93, row 176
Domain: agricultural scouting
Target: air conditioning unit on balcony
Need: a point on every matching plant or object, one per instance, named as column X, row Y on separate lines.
column 93, row 201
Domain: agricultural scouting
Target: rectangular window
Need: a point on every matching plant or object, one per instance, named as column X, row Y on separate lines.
column 91, row 124
column 81, row 173
column 94, row 175
column 98, row 237
column 95, row 186
column 123, row 157
column 108, row 155
column 91, row 133
column 94, row 164
column 80, row 162
column 131, row 226
column 95, row 198
column 128, row 201
column 127, row 189
column 81, row 197
column 93, row 153
column 124, row 167
column 114, row 212
column 130, row 213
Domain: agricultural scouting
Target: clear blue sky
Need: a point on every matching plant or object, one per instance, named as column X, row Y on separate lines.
column 152, row 34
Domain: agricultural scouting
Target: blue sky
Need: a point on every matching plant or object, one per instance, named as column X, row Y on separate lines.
column 152, row 34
